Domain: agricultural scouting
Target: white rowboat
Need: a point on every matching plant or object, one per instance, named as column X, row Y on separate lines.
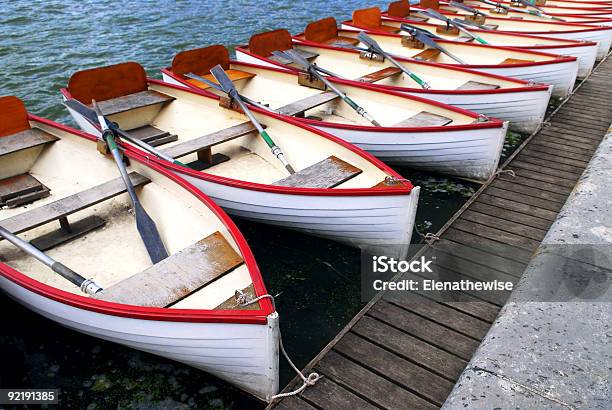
column 414, row 132
column 52, row 173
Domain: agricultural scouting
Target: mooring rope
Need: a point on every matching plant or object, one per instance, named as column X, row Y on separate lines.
column 311, row 379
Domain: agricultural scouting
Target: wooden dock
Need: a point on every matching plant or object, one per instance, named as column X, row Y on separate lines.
column 400, row 354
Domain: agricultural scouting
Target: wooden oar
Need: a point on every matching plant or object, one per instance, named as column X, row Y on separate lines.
column 228, row 87
column 145, row 225
column 91, row 116
column 434, row 14
column 312, row 70
column 218, row 88
column 376, row 48
column 430, row 42
column 86, row 285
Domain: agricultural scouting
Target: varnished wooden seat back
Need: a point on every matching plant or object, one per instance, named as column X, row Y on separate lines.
column 399, row 9
column 263, row 44
column 105, row 83
column 13, row 116
column 200, row 60
column 326, row 31
column 371, row 18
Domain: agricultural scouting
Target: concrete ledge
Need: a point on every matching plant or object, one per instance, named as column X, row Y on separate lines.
column 550, row 345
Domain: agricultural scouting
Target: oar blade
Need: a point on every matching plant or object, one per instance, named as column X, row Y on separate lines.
column 297, row 58
column 409, row 28
column 82, row 109
column 224, row 81
column 149, row 234
column 204, row 80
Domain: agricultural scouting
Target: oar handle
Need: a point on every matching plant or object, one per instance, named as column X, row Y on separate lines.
column 86, row 285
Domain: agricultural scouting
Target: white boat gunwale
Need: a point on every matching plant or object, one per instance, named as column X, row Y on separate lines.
column 491, row 123
column 403, row 187
column 524, row 85
column 259, row 316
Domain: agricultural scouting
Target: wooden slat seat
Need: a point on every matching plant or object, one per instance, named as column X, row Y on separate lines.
column 234, row 75
column 69, row 205
column 341, row 41
column 305, row 104
column 24, row 140
column 328, row 173
column 425, row 119
column 152, row 135
column 209, row 140
column 177, row 276
column 476, row 85
column 380, row 75
column 21, row 189
column 133, row 101
column 428, row 55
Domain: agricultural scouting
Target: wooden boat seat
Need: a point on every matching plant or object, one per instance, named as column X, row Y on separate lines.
column 424, row 119
column 152, row 135
column 516, row 61
column 133, row 101
column 207, row 141
column 232, row 304
column 371, row 18
column 380, row 75
column 298, row 108
column 23, row 140
column 177, row 276
column 428, row 54
column 308, row 55
column 476, row 85
column 328, row 173
column 326, row 31
column 60, row 209
column 20, row 190
column 234, row 75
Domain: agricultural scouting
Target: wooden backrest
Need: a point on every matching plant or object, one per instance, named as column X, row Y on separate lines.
column 367, row 17
column 430, row 4
column 104, row 83
column 263, row 44
column 200, row 60
column 13, row 116
column 399, row 9
column 321, row 30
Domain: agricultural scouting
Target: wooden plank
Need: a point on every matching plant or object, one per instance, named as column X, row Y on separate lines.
column 481, row 310
column 18, row 185
column 433, row 333
column 566, row 142
column 517, row 207
column 24, row 140
column 407, row 346
column 429, row 54
column 515, row 61
column 545, row 170
column 328, row 395
column 488, row 245
column 550, row 163
column 527, row 173
column 515, row 217
column 292, row 403
column 132, row 101
column 209, row 140
column 177, row 276
column 395, row 368
column 425, row 119
column 540, row 151
column 380, row 75
column 328, row 173
column 369, row 384
column 231, row 303
column 63, row 235
column 479, row 256
column 477, row 85
column 507, row 226
column 534, row 183
column 526, row 190
column 308, row 103
column 152, row 135
column 524, row 199
column 496, row 234
column 572, row 137
column 562, row 150
column 69, row 205
column 439, row 313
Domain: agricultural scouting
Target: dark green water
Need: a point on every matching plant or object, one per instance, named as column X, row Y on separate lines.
column 317, row 281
